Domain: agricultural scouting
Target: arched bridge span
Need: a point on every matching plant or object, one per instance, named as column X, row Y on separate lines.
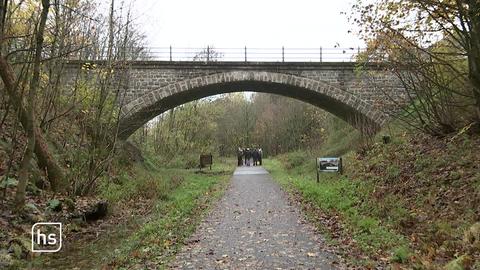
column 357, row 97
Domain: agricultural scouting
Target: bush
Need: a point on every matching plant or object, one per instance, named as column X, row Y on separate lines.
column 294, row 159
column 187, row 161
column 150, row 188
column 138, row 184
column 400, row 254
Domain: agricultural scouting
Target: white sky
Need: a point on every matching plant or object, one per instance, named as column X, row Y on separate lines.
column 251, row 23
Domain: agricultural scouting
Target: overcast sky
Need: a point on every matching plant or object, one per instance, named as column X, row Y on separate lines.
column 251, row 23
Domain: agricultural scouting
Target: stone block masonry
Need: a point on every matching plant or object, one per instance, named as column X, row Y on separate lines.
column 369, row 96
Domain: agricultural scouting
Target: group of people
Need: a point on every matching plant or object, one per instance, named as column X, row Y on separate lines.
column 249, row 156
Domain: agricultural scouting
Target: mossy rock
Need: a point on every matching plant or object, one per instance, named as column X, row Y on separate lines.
column 32, row 188
column 54, row 205
column 30, row 207
column 19, row 247
column 70, row 204
column 32, row 214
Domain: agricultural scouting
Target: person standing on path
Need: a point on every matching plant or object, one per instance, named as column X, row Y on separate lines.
column 248, row 156
column 260, row 152
column 239, row 156
column 252, row 156
column 255, row 157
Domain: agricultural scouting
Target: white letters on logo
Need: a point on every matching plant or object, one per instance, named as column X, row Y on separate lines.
column 43, row 241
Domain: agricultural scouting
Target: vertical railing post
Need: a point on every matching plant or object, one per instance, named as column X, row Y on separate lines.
column 283, row 54
column 170, row 53
column 208, row 53
column 321, row 54
column 245, row 54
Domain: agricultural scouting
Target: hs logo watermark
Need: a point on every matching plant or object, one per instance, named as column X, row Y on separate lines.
column 47, row 237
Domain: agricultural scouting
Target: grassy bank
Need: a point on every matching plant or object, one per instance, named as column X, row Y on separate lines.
column 413, row 203
column 160, row 208
column 335, row 205
column 174, row 218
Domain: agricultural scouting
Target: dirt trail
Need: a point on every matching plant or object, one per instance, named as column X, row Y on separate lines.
column 254, row 227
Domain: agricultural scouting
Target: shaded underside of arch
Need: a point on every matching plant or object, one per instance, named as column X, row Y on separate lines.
column 334, row 100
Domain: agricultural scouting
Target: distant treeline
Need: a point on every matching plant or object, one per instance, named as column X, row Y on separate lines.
column 223, row 123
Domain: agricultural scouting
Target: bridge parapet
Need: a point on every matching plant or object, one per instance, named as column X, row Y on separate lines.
column 372, row 93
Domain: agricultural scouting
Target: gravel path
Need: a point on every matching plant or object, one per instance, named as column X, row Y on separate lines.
column 254, row 227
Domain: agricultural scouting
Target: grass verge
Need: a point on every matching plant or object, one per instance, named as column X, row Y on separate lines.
column 412, row 203
column 335, row 206
column 173, row 220
column 168, row 204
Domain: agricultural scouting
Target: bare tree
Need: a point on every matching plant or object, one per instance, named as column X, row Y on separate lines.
column 30, row 110
column 209, row 54
column 45, row 159
column 434, row 49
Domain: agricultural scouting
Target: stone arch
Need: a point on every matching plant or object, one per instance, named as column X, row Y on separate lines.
column 339, row 102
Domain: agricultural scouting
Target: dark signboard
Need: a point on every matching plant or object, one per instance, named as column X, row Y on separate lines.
column 329, row 164
column 206, row 160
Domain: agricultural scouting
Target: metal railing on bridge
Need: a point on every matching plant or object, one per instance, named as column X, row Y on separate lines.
column 244, row 54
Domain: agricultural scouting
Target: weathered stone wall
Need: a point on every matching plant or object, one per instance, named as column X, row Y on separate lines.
column 372, row 92
column 376, row 88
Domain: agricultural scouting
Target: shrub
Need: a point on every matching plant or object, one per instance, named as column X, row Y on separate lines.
column 400, row 254
column 294, row 159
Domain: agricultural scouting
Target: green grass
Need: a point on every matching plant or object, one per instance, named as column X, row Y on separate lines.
column 342, row 138
column 416, row 188
column 338, row 195
column 141, row 181
column 179, row 197
column 173, row 220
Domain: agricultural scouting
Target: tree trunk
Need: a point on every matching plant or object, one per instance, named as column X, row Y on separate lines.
column 474, row 55
column 46, row 161
column 30, row 110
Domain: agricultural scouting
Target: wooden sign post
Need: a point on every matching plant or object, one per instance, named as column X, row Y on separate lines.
column 206, row 160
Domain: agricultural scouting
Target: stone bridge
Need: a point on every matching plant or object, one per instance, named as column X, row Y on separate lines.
column 153, row 87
